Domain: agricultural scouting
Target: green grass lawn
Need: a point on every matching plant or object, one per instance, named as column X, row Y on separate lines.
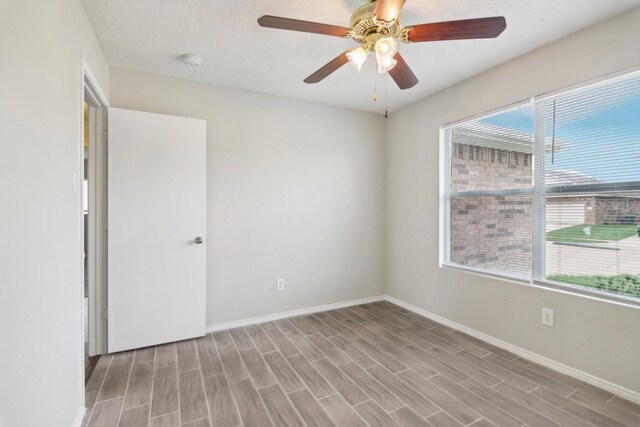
column 623, row 284
column 599, row 233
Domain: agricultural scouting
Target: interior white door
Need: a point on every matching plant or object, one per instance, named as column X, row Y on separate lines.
column 156, row 216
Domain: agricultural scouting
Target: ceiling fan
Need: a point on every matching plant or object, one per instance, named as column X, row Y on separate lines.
column 376, row 26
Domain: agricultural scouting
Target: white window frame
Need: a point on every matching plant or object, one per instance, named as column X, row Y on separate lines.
column 538, row 192
column 446, row 196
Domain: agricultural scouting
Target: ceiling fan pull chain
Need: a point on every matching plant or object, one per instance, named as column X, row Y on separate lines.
column 386, row 98
column 375, row 88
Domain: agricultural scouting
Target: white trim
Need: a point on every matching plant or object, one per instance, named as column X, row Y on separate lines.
column 529, row 355
column 590, row 293
column 93, row 94
column 88, row 84
column 565, row 288
column 444, row 211
column 299, row 312
column 77, row 421
column 93, row 82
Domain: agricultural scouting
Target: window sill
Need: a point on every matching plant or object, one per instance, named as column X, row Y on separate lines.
column 521, row 280
column 551, row 286
column 588, row 293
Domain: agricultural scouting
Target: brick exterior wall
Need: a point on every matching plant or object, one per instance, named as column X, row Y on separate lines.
column 494, row 232
column 612, row 210
column 491, row 232
column 481, row 168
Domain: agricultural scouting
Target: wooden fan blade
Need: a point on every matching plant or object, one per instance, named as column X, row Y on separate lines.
column 480, row 28
column 304, row 26
column 328, row 68
column 388, row 10
column 402, row 74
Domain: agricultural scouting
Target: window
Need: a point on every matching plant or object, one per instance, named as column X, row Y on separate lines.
column 490, row 184
column 549, row 192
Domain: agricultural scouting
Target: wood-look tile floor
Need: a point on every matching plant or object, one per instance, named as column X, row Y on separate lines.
column 370, row 365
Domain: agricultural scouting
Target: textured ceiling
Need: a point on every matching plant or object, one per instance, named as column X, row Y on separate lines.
column 151, row 35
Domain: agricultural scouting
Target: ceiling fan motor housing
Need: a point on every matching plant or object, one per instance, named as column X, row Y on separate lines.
column 366, row 29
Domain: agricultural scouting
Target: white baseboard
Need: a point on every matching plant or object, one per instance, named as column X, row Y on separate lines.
column 77, row 421
column 292, row 313
column 549, row 363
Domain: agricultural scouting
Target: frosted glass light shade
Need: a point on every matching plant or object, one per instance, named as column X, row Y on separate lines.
column 386, row 48
column 385, row 64
column 357, row 57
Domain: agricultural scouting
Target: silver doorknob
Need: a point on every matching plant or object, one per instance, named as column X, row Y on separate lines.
column 199, row 240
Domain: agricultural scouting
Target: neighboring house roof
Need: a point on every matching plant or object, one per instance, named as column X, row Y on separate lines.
column 568, row 177
column 493, row 136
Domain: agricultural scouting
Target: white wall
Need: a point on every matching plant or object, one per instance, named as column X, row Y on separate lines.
column 600, row 338
column 295, row 190
column 41, row 44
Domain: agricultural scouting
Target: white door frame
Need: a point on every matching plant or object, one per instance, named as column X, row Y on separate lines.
column 97, row 239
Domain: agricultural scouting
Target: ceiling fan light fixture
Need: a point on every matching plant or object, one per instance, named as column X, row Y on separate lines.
column 386, row 48
column 357, row 57
column 385, row 64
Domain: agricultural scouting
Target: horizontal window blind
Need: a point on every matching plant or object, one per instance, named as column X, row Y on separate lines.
column 549, row 191
column 493, row 152
column 491, row 164
column 596, row 134
column 592, row 186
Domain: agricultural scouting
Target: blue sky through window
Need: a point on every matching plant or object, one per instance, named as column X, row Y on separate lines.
column 597, row 131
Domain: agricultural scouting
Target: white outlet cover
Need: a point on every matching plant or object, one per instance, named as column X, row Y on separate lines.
column 280, row 285
column 547, row 317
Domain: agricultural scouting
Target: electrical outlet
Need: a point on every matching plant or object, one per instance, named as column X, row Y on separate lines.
column 547, row 317
column 279, row 285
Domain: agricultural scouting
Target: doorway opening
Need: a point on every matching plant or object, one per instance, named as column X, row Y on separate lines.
column 90, row 361
column 94, row 223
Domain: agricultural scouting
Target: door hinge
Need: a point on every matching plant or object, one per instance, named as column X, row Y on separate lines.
column 105, row 314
